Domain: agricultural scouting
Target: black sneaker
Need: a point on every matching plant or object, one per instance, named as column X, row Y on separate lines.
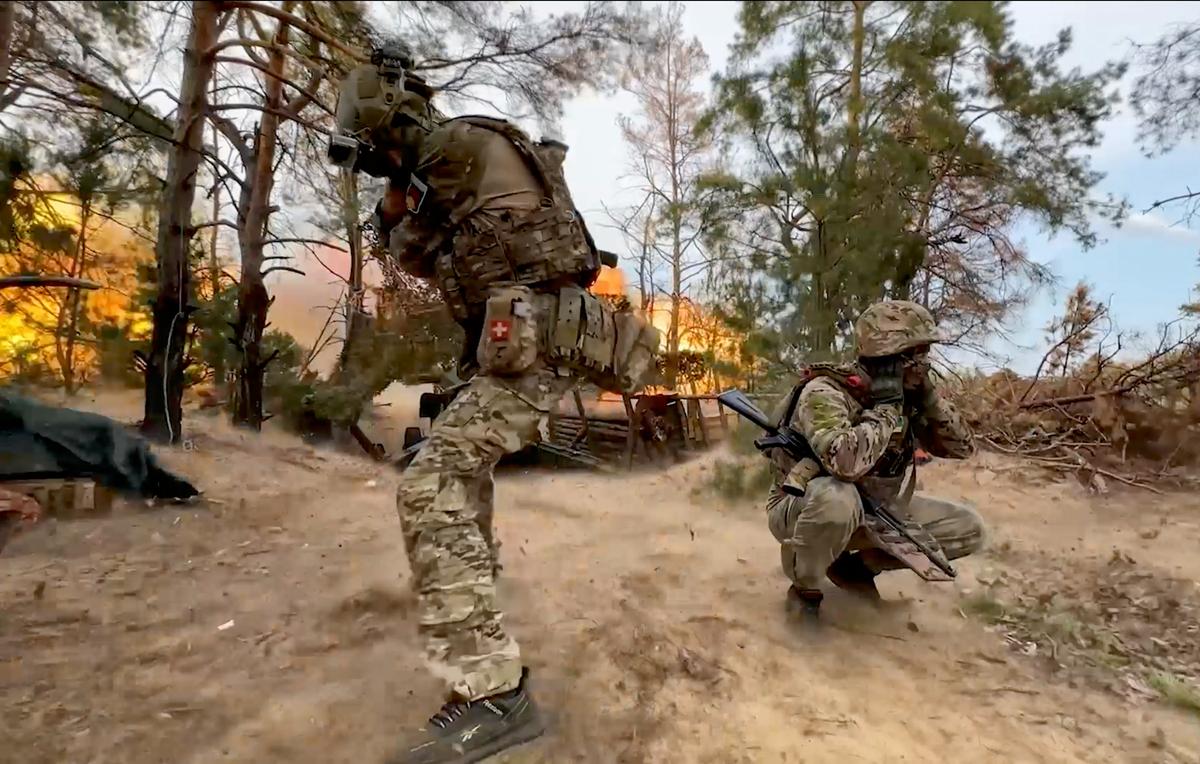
column 804, row 604
column 470, row 731
column 850, row 572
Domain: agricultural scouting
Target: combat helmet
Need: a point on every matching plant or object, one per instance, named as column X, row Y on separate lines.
column 377, row 105
column 893, row 326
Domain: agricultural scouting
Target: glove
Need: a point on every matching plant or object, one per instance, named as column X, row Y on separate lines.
column 887, row 384
column 799, row 476
column 917, row 398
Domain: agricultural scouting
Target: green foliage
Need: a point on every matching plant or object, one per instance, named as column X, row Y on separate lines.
column 1164, row 99
column 211, row 345
column 468, row 46
column 689, row 367
column 16, row 209
column 1176, row 691
column 1164, row 93
column 985, row 606
column 744, row 435
column 400, row 348
column 116, row 350
column 909, row 189
column 285, row 391
column 26, row 366
column 742, row 479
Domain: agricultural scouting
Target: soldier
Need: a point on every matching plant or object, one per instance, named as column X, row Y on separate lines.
column 475, row 205
column 862, row 422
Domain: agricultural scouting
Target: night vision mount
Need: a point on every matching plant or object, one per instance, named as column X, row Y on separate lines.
column 392, row 57
column 392, row 60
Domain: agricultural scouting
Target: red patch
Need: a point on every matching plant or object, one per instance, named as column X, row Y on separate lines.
column 499, row 330
column 414, row 195
column 854, row 380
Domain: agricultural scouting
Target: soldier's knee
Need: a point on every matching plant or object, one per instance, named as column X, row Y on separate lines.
column 964, row 533
column 782, row 512
column 975, row 530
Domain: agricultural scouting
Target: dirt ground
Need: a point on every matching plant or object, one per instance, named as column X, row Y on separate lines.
column 272, row 623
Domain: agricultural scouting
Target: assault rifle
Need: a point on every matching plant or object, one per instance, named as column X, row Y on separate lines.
column 907, row 541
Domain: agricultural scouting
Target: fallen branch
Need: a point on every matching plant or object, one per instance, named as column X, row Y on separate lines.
column 1083, row 464
column 1067, row 400
column 36, row 281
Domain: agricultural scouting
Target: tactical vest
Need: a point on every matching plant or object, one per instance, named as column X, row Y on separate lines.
column 545, row 249
column 885, row 479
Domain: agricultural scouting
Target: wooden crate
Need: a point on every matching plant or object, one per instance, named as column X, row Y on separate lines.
column 65, row 498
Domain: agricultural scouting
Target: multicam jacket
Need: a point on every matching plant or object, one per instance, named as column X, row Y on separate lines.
column 854, row 442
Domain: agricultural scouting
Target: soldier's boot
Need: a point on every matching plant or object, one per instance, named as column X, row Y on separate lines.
column 471, row 731
column 804, row 605
column 850, row 572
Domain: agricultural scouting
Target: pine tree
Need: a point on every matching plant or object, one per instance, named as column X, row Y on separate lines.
column 888, row 150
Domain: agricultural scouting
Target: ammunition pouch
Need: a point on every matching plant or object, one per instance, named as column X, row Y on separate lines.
column 571, row 329
column 545, row 247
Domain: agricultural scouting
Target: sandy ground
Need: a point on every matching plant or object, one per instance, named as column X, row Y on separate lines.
column 273, row 624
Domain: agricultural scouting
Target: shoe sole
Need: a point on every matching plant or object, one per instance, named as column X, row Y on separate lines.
column 504, row 745
column 805, row 619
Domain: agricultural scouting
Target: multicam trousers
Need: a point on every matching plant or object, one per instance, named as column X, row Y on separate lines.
column 445, row 505
column 814, row 529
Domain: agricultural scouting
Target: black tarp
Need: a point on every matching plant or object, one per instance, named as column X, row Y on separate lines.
column 42, row 441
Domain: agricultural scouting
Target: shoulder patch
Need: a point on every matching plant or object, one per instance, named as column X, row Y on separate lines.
column 415, row 195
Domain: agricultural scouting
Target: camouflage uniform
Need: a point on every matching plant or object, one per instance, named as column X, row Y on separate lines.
column 860, row 445
column 477, row 207
column 445, row 495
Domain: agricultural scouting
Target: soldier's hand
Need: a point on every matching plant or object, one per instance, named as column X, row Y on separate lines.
column 887, row 384
column 391, row 209
column 919, row 391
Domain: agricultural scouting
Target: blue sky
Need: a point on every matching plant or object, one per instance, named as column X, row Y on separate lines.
column 1148, row 268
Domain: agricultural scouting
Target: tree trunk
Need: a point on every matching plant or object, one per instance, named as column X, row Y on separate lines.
column 822, row 315
column 253, row 301
column 356, row 319
column 644, row 267
column 163, row 414
column 220, row 383
column 676, row 213
column 350, row 213
column 8, row 11
column 68, row 368
column 854, row 105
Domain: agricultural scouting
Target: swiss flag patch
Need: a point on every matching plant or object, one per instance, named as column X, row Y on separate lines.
column 499, row 330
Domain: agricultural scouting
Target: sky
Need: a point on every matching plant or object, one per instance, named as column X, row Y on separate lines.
column 1147, row 268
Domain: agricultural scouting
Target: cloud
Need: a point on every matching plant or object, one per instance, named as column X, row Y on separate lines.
column 1156, row 225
